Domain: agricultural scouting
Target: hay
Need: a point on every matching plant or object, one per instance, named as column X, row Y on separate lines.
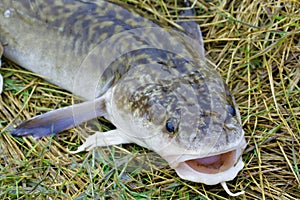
column 256, row 47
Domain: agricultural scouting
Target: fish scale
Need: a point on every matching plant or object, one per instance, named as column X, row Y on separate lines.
column 151, row 82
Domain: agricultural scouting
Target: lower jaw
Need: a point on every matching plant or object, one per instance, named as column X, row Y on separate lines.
column 213, row 164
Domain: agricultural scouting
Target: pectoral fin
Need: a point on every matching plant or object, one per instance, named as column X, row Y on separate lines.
column 100, row 139
column 56, row 121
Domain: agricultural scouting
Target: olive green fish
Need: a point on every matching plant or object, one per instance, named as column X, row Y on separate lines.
column 152, row 83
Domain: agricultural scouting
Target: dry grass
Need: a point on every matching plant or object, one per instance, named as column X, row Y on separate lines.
column 256, row 47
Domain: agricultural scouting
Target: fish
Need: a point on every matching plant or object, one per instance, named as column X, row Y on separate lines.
column 151, row 82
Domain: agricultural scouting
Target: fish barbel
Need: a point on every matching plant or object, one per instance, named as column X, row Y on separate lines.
column 151, row 82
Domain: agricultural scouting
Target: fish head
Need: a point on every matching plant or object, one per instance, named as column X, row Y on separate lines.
column 190, row 119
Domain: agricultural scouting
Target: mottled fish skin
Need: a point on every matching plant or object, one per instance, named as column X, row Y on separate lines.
column 60, row 34
column 157, row 88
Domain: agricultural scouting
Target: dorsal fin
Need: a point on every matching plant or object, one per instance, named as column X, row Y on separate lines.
column 191, row 28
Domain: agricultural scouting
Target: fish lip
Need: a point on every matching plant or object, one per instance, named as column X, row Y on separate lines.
column 176, row 159
column 213, row 164
column 186, row 172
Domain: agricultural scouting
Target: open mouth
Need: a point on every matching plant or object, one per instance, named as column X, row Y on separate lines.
column 213, row 164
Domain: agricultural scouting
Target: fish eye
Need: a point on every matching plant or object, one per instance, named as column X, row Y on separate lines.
column 231, row 110
column 171, row 124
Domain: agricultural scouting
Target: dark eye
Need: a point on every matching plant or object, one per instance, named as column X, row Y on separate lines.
column 231, row 110
column 171, row 124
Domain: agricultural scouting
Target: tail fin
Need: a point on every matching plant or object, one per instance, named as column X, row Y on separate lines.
column 56, row 121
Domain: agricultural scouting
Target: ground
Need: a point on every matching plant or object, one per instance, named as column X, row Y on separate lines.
column 255, row 45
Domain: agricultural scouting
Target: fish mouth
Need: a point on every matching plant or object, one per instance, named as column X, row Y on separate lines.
column 212, row 169
column 213, row 164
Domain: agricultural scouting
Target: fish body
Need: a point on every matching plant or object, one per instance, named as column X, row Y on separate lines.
column 152, row 83
column 52, row 38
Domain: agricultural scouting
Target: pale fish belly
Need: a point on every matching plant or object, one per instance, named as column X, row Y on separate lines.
column 152, row 83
